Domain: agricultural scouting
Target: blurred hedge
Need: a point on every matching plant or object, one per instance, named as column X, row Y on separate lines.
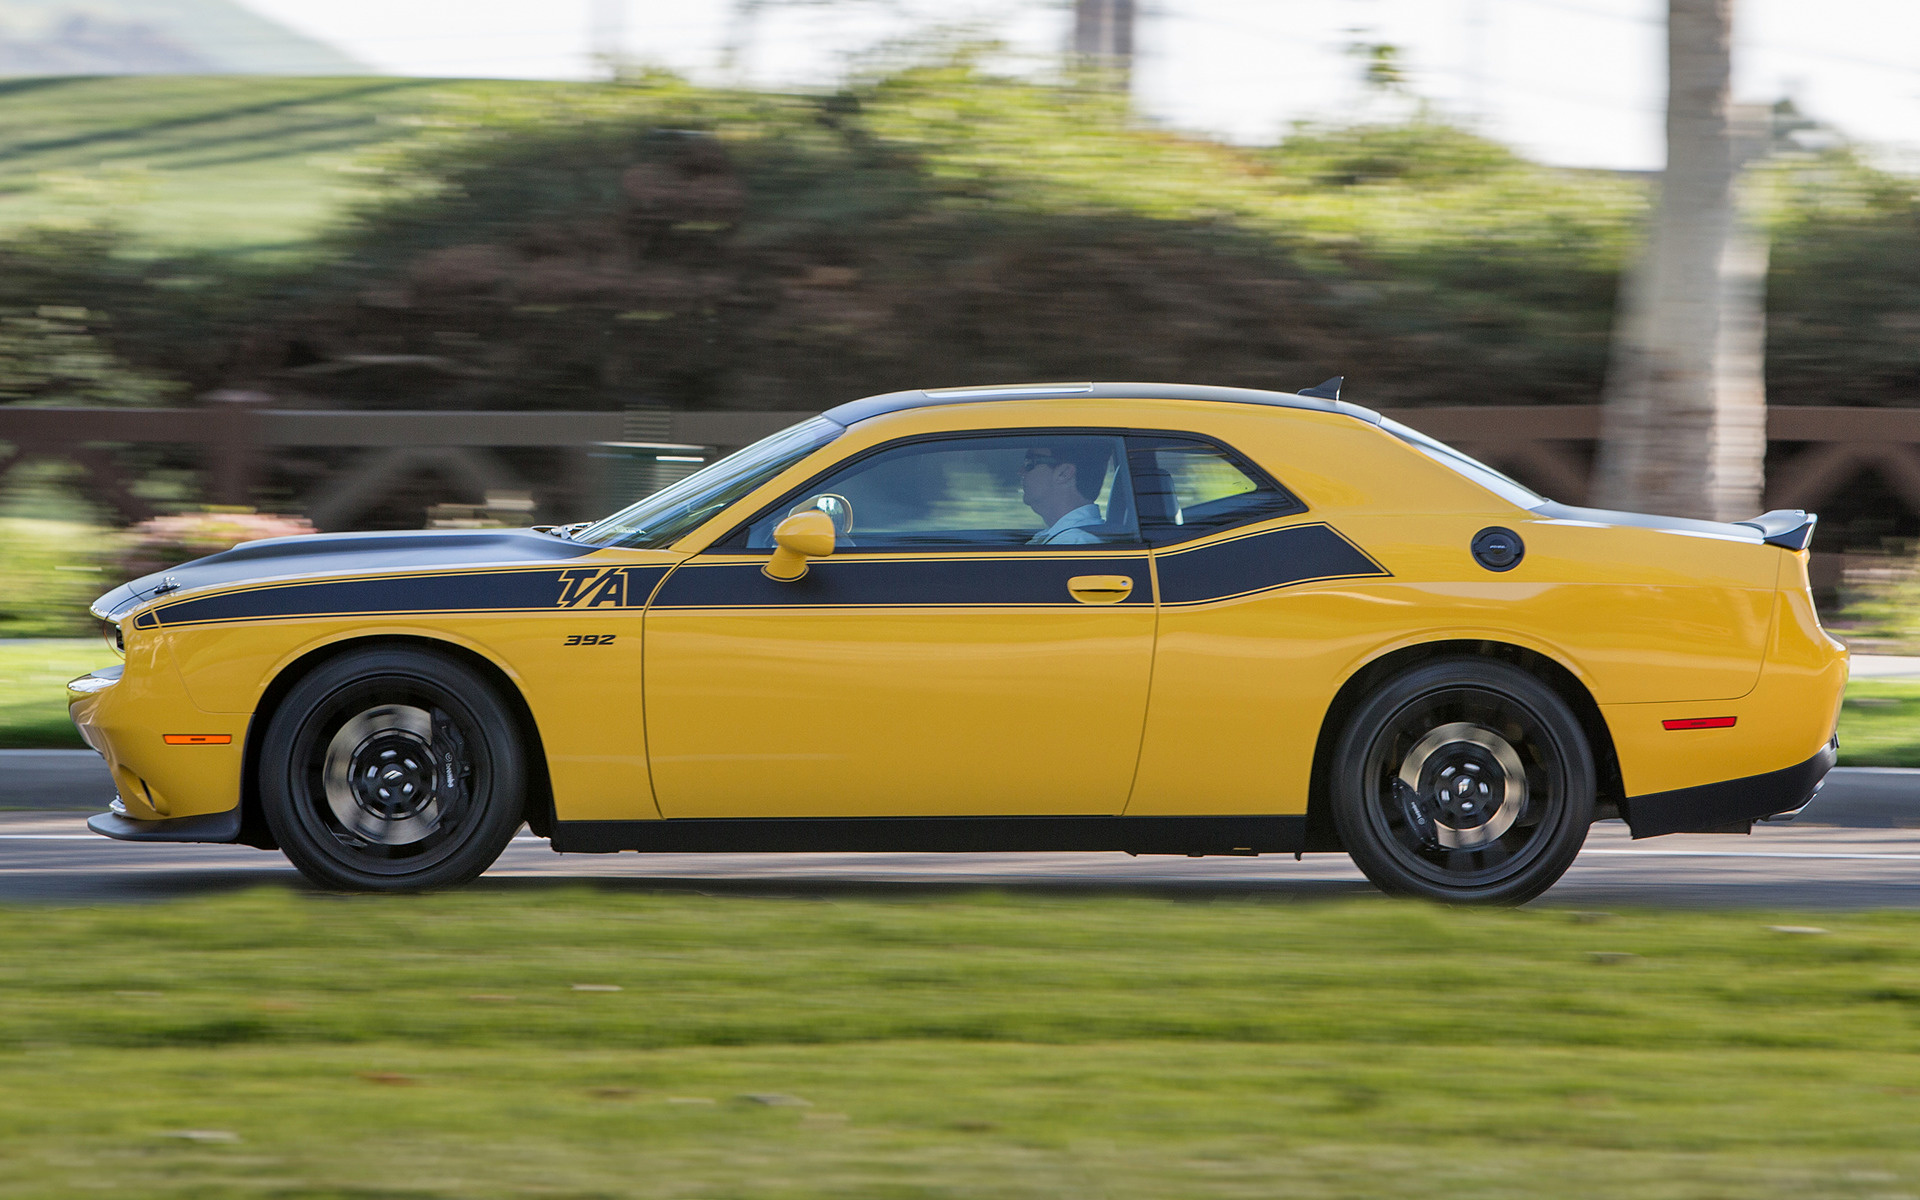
column 49, row 572
column 593, row 246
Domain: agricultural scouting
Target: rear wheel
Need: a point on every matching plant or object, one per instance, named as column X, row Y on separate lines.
column 1466, row 781
column 392, row 770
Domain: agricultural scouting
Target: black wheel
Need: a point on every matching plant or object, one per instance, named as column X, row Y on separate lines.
column 1466, row 781
column 392, row 770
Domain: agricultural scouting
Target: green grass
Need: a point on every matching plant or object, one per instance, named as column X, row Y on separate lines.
column 951, row 1046
column 33, row 693
column 1880, row 724
column 203, row 163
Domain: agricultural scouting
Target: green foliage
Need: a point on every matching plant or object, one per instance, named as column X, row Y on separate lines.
column 1880, row 604
column 948, row 1046
column 33, row 678
column 52, row 355
column 49, row 572
column 1844, row 291
column 164, row 320
column 565, row 245
column 936, row 223
column 1426, row 152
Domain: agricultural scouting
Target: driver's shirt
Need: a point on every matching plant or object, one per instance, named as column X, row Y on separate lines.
column 1071, row 530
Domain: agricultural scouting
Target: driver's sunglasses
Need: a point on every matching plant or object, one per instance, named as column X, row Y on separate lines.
column 1038, row 460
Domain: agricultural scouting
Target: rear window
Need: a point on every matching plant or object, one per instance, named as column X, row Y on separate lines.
column 1186, row 488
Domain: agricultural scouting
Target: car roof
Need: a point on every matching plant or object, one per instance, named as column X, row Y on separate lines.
column 892, row 402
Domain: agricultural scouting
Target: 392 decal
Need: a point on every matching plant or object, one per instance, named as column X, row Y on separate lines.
column 590, row 639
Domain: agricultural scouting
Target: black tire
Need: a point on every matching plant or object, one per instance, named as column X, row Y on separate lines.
column 1506, row 833
column 392, row 769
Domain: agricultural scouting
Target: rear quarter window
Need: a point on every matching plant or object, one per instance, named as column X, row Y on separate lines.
column 1188, row 488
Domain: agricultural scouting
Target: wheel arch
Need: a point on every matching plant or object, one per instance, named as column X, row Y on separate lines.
column 1611, row 798
column 253, row 823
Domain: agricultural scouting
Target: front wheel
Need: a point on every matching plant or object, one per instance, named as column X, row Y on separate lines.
column 1466, row 781
column 392, row 770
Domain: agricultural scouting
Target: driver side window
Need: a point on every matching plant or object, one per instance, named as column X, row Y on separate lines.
column 1032, row 489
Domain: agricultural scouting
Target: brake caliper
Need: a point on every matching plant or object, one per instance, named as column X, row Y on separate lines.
column 454, row 772
column 1419, row 819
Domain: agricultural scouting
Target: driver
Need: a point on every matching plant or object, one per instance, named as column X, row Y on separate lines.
column 1060, row 482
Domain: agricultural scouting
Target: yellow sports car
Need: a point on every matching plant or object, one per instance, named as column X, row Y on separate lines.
column 1134, row 617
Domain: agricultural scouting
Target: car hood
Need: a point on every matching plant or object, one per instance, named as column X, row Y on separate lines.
column 341, row 553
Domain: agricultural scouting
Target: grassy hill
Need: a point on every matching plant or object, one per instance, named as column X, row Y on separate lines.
column 48, row 37
column 224, row 163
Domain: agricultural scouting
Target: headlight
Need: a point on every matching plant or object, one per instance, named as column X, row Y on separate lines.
column 116, row 641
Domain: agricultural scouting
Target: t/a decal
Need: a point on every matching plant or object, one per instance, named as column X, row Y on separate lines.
column 508, row 590
column 593, row 587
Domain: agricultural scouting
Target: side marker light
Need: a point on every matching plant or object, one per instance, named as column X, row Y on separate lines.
column 197, row 739
column 1700, row 723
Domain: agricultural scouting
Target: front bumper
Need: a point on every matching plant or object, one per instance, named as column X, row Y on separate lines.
column 128, row 714
column 212, row 827
column 1714, row 807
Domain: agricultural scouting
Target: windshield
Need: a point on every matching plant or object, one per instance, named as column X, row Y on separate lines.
column 671, row 513
column 1510, row 490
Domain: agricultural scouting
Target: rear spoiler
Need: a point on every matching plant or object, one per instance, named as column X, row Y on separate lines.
column 1788, row 528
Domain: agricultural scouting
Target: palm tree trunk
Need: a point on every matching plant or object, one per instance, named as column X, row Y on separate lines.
column 1103, row 39
column 1684, row 424
column 739, row 39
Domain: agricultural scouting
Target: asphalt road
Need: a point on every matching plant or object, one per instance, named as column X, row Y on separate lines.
column 1856, row 846
column 77, row 781
column 50, row 858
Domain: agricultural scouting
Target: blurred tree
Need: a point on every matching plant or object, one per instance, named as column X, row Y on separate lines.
column 701, row 247
column 51, row 355
column 1103, row 32
column 1382, row 67
column 587, row 246
column 1684, row 428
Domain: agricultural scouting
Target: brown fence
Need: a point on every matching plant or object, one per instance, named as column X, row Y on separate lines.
column 1814, row 452
column 236, row 443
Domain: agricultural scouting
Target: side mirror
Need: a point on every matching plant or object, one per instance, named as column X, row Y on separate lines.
column 802, row 536
column 836, row 506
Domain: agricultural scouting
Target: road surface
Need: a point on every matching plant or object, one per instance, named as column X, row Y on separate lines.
column 49, row 857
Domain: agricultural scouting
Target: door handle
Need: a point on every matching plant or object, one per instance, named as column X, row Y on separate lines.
column 1100, row 589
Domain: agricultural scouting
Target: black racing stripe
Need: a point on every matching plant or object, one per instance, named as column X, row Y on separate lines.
column 1029, row 580
column 580, row 588
column 1296, row 554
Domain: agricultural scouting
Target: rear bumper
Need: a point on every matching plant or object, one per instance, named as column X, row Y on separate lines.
column 1712, row 807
